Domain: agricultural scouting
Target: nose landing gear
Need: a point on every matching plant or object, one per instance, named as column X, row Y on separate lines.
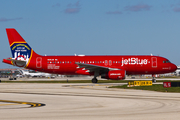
column 153, row 79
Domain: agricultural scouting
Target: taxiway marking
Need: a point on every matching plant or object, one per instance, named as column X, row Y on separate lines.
column 20, row 102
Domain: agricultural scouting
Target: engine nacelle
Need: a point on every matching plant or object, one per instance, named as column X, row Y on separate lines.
column 115, row 75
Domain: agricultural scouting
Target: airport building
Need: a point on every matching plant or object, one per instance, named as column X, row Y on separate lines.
column 6, row 73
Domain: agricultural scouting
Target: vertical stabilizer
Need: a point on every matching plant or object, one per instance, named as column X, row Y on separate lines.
column 20, row 50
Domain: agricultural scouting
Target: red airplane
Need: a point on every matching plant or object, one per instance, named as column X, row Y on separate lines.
column 114, row 67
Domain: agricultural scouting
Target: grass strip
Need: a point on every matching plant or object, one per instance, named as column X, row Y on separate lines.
column 155, row 87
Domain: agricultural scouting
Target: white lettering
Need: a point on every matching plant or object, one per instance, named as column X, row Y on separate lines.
column 115, row 74
column 134, row 61
column 52, row 66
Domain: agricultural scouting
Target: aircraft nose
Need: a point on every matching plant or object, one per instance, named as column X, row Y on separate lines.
column 173, row 67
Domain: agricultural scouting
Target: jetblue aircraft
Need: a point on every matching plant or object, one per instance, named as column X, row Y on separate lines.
column 114, row 67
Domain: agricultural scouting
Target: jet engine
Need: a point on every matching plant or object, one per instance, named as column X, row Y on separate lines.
column 114, row 75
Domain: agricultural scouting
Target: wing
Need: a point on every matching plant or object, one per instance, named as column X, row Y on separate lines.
column 95, row 68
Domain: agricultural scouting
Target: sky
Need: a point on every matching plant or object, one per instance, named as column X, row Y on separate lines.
column 93, row 27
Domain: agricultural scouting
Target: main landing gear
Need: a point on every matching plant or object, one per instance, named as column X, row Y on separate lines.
column 94, row 80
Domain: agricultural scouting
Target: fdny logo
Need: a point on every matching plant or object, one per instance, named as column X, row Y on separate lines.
column 134, row 61
column 21, row 51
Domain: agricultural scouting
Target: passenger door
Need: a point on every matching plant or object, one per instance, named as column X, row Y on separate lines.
column 154, row 62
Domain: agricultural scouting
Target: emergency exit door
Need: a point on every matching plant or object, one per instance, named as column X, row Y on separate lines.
column 39, row 62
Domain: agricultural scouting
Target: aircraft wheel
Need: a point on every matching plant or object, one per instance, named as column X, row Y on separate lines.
column 94, row 80
column 10, row 78
column 154, row 80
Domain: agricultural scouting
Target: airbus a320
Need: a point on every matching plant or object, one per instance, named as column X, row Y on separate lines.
column 114, row 67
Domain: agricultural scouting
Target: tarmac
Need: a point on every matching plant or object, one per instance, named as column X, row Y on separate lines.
column 83, row 78
column 49, row 101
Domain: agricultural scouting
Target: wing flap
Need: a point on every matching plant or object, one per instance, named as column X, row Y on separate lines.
column 93, row 68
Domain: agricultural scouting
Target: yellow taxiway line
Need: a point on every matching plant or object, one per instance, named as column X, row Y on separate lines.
column 19, row 102
column 7, row 104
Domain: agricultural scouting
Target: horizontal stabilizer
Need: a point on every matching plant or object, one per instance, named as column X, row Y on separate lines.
column 19, row 63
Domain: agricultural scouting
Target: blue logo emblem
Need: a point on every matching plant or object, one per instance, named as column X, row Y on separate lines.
column 21, row 51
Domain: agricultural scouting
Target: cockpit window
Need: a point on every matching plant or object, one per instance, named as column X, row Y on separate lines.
column 166, row 61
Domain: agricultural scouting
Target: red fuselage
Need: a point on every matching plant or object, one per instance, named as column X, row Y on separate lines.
column 131, row 64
